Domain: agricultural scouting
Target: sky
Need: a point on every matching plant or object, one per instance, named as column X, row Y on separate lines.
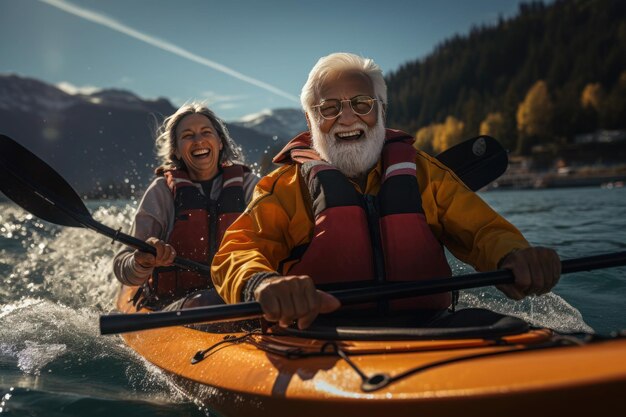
column 239, row 56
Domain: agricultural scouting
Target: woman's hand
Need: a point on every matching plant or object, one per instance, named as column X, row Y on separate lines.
column 293, row 298
column 165, row 254
column 536, row 271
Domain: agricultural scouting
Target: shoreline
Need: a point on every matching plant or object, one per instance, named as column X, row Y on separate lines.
column 535, row 181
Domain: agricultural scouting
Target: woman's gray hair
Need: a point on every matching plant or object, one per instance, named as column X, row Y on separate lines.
column 165, row 142
column 337, row 63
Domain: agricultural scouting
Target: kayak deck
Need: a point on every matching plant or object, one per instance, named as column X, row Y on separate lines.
column 257, row 374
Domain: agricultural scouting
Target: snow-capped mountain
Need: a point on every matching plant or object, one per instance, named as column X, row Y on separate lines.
column 102, row 143
column 36, row 97
column 123, row 99
column 30, row 95
column 282, row 123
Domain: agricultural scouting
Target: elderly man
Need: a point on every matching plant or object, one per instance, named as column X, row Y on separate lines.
column 356, row 203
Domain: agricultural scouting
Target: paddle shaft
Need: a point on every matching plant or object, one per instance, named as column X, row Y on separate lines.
column 116, row 235
column 133, row 242
column 122, row 323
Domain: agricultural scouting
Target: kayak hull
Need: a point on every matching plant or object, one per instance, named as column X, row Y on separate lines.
column 530, row 373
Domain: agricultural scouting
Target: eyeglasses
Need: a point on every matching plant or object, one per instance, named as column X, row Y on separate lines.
column 332, row 108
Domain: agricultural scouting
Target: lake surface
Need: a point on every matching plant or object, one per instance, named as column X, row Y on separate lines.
column 57, row 281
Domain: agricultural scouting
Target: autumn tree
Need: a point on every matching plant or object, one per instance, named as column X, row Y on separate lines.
column 592, row 99
column 438, row 137
column 592, row 96
column 448, row 134
column 493, row 125
column 534, row 117
column 501, row 127
column 424, row 139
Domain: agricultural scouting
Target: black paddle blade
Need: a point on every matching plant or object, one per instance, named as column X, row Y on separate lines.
column 477, row 161
column 36, row 187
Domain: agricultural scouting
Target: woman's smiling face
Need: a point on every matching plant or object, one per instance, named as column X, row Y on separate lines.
column 198, row 145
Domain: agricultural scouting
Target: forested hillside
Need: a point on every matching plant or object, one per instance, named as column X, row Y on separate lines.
column 542, row 77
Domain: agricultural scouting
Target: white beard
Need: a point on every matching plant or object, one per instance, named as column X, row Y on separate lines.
column 353, row 159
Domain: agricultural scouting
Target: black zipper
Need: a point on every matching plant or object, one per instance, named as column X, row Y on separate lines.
column 373, row 222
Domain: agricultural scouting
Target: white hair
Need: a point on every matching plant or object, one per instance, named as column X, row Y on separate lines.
column 338, row 63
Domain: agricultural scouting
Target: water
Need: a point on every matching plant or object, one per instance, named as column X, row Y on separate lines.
column 57, row 281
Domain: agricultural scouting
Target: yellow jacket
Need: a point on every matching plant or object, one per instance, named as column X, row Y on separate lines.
column 280, row 218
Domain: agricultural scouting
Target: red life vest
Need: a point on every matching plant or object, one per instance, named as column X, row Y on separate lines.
column 198, row 229
column 369, row 238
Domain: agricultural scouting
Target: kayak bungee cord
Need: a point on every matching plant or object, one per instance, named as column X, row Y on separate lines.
column 376, row 382
column 230, row 339
column 371, row 383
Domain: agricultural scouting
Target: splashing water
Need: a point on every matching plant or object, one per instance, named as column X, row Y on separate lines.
column 34, row 356
column 57, row 282
column 549, row 310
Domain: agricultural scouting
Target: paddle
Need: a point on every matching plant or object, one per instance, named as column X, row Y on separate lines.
column 122, row 323
column 477, row 161
column 39, row 189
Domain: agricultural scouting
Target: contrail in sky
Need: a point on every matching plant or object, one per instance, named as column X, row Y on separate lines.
column 161, row 44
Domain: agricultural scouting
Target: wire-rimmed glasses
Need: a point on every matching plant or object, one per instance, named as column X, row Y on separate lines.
column 332, row 108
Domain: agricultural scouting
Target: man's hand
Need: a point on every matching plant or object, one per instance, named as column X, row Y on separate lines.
column 165, row 254
column 289, row 298
column 536, row 271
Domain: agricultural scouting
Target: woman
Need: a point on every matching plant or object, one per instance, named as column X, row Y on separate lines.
column 200, row 189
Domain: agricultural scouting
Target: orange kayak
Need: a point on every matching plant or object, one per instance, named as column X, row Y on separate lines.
column 238, row 372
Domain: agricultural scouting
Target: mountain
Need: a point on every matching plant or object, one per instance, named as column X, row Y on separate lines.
column 101, row 143
column 283, row 124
